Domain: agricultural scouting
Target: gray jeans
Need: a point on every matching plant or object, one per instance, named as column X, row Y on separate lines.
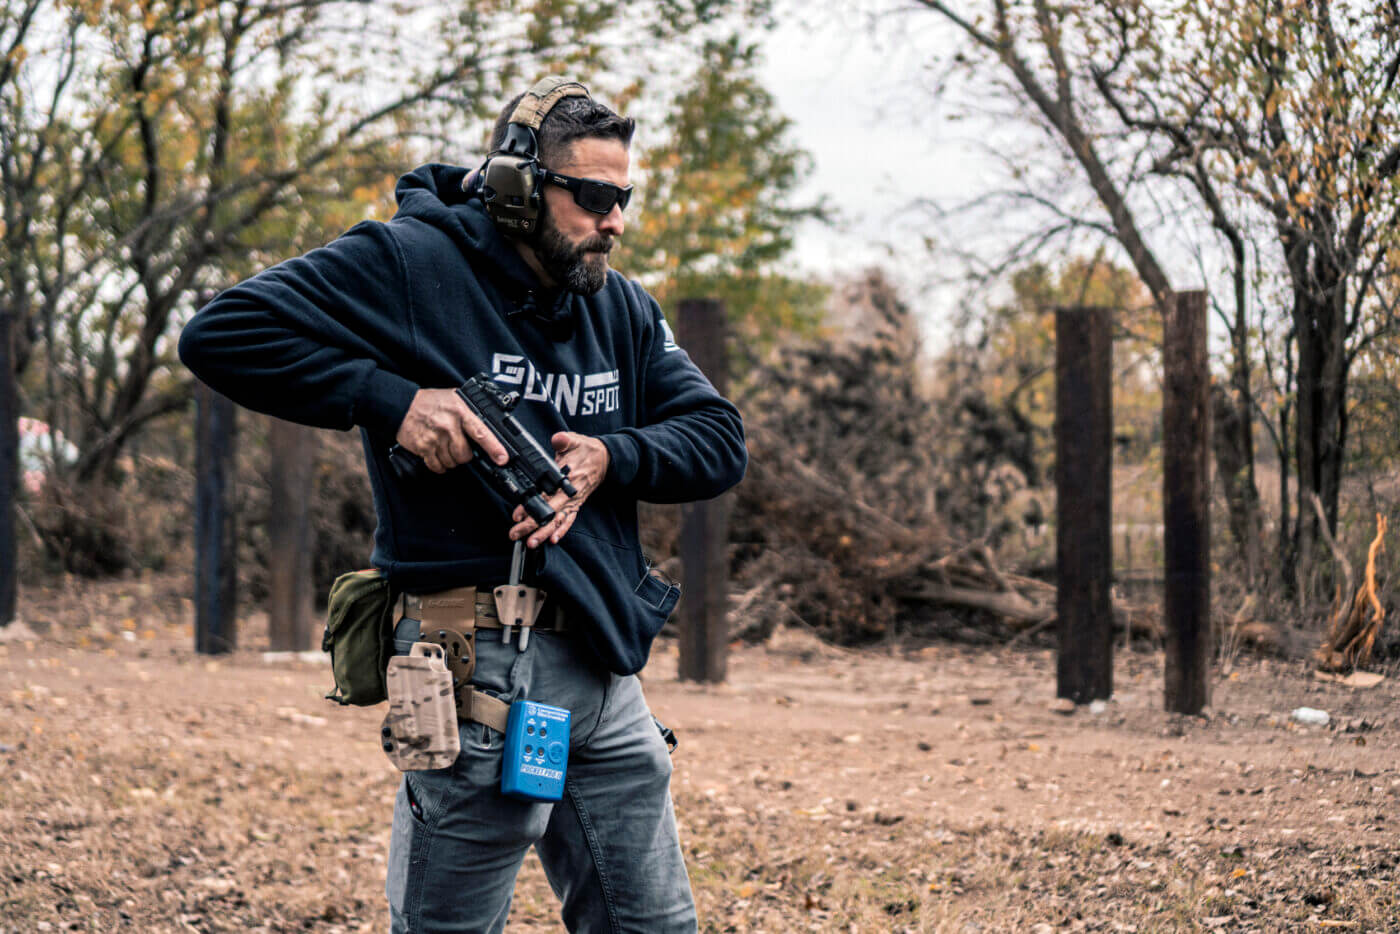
column 609, row 847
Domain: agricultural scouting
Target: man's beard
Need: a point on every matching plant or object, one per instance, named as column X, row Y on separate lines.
column 569, row 264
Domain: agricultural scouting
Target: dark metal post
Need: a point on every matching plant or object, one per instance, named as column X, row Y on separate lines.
column 704, row 525
column 9, row 470
column 1186, row 503
column 1083, row 538
column 215, row 562
column 289, row 604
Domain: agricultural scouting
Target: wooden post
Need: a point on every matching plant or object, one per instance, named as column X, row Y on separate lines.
column 1186, row 503
column 1084, row 529
column 704, row 525
column 215, row 562
column 9, row 470
column 292, row 480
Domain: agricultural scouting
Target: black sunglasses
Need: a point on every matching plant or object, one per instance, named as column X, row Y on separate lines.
column 592, row 194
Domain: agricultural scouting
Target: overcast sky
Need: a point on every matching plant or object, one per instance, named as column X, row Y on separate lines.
column 857, row 86
column 859, row 83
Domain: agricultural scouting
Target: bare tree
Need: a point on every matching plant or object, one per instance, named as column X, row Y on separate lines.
column 1279, row 117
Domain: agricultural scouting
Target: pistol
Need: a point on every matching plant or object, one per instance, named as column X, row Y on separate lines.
column 527, row 477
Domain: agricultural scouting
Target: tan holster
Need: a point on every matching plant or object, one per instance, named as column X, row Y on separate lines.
column 449, row 619
column 420, row 729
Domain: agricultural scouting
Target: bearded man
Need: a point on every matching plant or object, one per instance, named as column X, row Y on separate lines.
column 505, row 271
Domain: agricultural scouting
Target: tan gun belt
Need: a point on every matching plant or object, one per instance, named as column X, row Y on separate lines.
column 450, row 618
column 450, row 607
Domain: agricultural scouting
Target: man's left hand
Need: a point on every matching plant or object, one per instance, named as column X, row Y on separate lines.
column 587, row 459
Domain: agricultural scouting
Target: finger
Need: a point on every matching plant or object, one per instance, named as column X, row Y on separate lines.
column 566, row 522
column 525, row 524
column 544, row 534
column 562, row 441
column 458, row 447
column 558, row 502
column 483, row 436
column 434, row 463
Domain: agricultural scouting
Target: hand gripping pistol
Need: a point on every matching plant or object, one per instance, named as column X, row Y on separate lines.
column 528, row 476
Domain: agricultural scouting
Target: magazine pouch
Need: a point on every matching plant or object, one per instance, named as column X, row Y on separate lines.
column 359, row 636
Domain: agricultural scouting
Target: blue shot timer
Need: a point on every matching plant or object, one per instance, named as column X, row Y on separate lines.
column 537, row 751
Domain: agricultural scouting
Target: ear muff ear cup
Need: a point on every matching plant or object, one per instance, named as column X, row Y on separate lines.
column 510, row 189
column 510, row 180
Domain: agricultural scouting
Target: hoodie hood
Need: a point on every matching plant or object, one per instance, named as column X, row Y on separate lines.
column 433, row 194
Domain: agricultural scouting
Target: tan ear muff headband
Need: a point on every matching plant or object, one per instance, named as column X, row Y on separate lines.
column 509, row 182
column 541, row 98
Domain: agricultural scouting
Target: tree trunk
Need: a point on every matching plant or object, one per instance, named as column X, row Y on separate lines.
column 1236, row 426
column 1287, row 554
column 130, row 408
column 1321, row 427
column 9, row 470
column 1234, row 458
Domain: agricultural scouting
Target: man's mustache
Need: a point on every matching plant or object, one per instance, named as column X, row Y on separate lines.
column 597, row 245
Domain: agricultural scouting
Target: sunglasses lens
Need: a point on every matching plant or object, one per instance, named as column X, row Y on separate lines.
column 600, row 197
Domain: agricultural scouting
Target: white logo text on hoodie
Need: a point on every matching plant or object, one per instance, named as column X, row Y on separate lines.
column 570, row 393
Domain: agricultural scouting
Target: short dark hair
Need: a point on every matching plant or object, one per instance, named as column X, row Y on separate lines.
column 572, row 118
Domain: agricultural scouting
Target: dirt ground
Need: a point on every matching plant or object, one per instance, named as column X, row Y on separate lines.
column 901, row 789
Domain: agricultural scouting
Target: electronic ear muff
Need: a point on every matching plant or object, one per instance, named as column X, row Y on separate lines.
column 509, row 182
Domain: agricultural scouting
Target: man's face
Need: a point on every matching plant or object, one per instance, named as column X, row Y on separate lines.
column 573, row 243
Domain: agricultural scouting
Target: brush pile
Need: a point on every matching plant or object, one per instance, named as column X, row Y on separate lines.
column 837, row 525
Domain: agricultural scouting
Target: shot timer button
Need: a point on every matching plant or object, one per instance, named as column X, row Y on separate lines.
column 556, row 753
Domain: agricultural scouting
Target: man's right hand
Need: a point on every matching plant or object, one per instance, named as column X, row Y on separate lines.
column 437, row 427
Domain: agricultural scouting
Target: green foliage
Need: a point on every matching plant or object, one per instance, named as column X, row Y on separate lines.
column 719, row 193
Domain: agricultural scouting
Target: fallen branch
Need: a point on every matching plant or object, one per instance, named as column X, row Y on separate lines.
column 1032, row 630
column 1007, row 604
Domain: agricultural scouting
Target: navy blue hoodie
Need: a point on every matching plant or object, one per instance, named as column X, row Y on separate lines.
column 345, row 335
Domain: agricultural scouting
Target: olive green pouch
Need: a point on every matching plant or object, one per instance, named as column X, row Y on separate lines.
column 360, row 636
